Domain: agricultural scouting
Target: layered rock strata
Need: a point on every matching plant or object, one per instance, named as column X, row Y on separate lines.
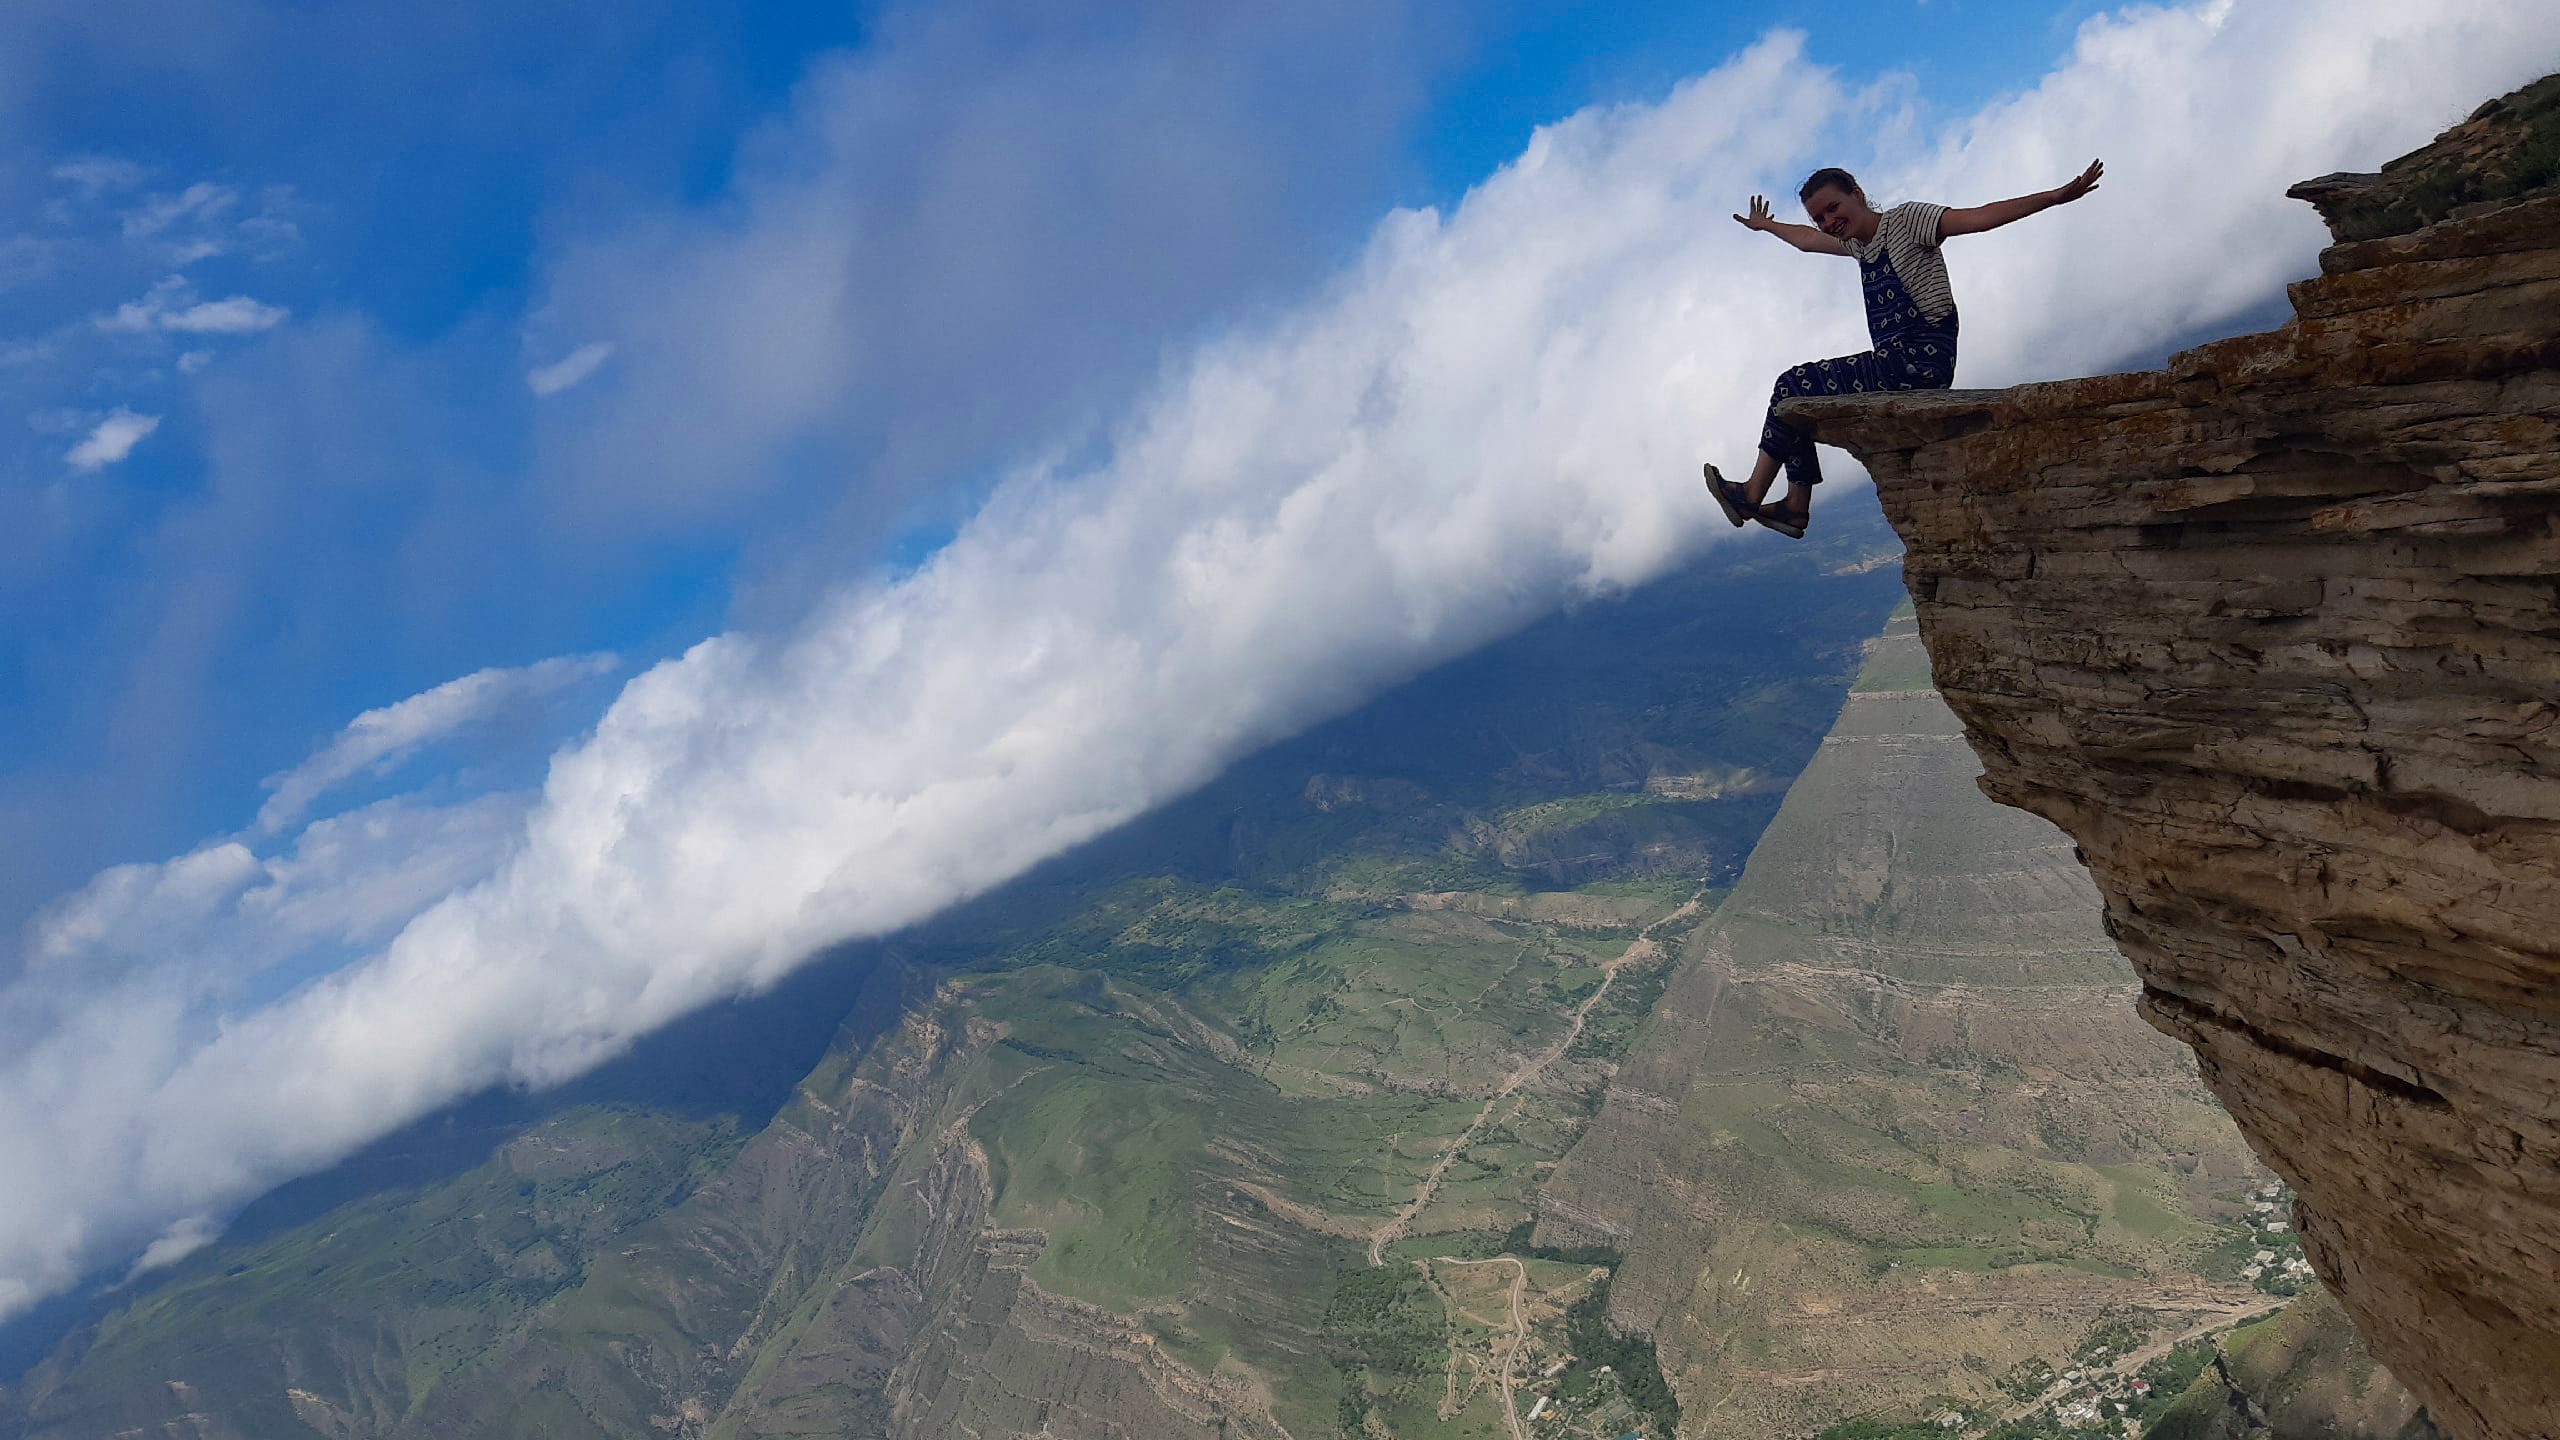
column 2274, row 634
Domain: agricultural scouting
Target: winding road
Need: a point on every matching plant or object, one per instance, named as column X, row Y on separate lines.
column 2234, row 1312
column 1641, row 948
column 1519, row 1335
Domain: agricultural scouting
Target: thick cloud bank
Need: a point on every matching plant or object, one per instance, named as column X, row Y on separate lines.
column 1492, row 411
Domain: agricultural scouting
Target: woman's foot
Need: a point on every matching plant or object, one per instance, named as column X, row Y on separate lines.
column 1788, row 517
column 1734, row 500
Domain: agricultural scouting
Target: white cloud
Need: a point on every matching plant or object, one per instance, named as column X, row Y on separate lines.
column 111, row 440
column 176, row 1243
column 199, row 203
column 1489, row 412
column 378, row 738
column 171, row 304
column 238, row 315
column 979, row 231
column 177, row 229
column 142, row 316
column 576, row 366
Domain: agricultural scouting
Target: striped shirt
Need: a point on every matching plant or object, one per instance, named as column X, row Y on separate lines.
column 1908, row 234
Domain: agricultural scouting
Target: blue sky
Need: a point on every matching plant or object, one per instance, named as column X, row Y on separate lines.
column 518, row 521
column 413, row 167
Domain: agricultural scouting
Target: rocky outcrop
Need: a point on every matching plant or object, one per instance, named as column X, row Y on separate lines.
column 2274, row 634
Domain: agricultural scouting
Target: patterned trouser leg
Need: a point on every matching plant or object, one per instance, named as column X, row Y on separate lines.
column 1923, row 368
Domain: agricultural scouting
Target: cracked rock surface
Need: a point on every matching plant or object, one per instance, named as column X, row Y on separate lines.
column 2274, row 634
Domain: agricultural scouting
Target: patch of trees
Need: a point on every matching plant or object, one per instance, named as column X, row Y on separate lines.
column 1515, row 1241
column 1630, row 1358
column 1381, row 1323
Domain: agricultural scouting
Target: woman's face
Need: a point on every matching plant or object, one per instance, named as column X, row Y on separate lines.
column 1840, row 214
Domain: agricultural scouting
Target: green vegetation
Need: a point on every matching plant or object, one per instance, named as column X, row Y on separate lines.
column 1516, row 1241
column 1630, row 1360
column 1896, row 661
column 1382, row 1329
column 2113, row 1336
column 2028, row 1378
column 2423, row 189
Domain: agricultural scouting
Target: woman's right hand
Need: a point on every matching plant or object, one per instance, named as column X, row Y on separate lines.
column 1759, row 217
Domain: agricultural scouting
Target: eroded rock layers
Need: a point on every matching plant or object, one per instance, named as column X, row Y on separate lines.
column 2274, row 634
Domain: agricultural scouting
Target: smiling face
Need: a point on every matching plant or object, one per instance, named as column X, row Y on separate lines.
column 1841, row 214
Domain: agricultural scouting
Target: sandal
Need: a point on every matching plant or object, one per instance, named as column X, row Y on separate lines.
column 1789, row 523
column 1737, row 508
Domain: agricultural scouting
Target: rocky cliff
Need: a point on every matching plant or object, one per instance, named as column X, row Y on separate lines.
column 2274, row 634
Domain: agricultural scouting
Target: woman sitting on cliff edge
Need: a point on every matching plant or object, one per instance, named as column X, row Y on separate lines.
column 1911, row 318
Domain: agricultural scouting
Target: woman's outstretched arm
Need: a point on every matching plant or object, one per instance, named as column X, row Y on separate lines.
column 1803, row 237
column 1975, row 220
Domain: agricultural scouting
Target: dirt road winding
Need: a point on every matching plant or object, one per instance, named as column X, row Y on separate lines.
column 1503, row 1378
column 1642, row 948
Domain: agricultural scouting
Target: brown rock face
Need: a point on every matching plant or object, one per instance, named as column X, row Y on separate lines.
column 2274, row 634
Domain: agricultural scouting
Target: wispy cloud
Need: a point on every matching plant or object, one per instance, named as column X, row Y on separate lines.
column 378, row 738
column 572, row 368
column 1488, row 412
column 180, row 1240
column 238, row 315
column 95, row 175
column 170, row 305
column 197, row 222
column 111, row 440
column 201, row 202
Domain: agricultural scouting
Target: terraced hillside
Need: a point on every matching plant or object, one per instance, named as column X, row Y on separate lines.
column 1230, row 1124
column 1894, row 1142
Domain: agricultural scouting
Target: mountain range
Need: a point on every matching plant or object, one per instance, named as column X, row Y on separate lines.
column 1640, row 1026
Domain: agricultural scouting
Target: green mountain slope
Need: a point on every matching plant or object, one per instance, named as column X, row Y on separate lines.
column 1894, row 1140
column 2300, row 1374
column 1224, row 1124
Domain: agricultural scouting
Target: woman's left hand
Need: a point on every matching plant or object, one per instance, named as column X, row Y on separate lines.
column 2087, row 181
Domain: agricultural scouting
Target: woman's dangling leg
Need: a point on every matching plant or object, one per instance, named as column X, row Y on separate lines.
column 1781, row 444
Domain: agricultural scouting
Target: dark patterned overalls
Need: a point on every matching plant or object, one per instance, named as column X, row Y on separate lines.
column 1912, row 353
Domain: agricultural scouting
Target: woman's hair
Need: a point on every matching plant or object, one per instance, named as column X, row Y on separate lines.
column 1831, row 177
